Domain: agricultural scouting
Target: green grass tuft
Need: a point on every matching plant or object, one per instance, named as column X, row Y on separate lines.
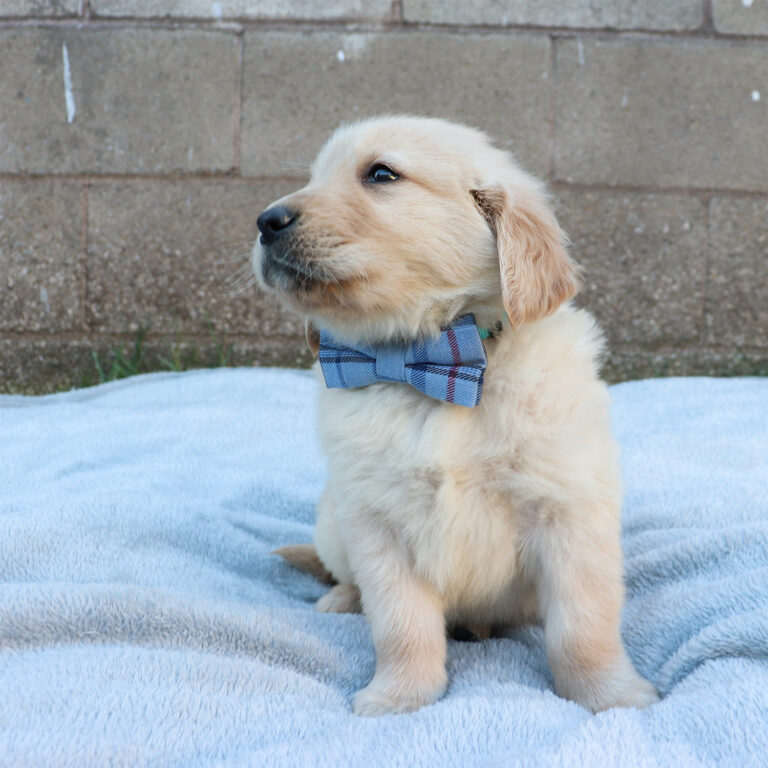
column 124, row 361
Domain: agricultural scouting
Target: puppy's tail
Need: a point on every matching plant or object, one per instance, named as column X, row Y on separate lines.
column 305, row 558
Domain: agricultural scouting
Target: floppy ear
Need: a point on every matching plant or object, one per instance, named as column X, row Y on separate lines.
column 537, row 274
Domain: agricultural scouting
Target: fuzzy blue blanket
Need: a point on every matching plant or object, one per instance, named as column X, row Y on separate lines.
column 144, row 622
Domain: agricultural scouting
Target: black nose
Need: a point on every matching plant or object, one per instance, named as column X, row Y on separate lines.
column 274, row 221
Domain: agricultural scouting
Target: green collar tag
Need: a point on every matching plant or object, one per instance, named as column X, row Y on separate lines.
column 489, row 333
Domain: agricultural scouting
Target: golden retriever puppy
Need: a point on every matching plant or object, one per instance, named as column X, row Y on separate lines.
column 438, row 513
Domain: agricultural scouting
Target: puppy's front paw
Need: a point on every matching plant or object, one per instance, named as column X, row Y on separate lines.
column 382, row 699
column 639, row 695
column 627, row 689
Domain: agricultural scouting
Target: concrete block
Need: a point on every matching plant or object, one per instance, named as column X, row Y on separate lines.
column 40, row 246
column 165, row 254
column 39, row 8
column 676, row 113
column 246, row 9
column 628, row 362
column 136, row 100
column 737, row 296
column 299, row 87
column 40, row 366
column 609, row 14
column 645, row 260
column 740, row 17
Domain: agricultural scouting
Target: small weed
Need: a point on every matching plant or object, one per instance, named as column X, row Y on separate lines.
column 124, row 361
column 744, row 365
column 224, row 351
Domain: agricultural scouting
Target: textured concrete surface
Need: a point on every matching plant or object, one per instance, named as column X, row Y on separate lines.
column 145, row 100
column 610, row 14
column 40, row 366
column 246, row 9
column 657, row 113
column 740, row 17
column 644, row 259
column 40, row 272
column 298, row 87
column 140, row 140
column 30, row 366
column 168, row 254
column 39, row 8
column 737, row 300
column 626, row 363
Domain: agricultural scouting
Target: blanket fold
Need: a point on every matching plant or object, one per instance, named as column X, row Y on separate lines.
column 143, row 620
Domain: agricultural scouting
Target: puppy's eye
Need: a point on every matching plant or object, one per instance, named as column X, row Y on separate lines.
column 380, row 174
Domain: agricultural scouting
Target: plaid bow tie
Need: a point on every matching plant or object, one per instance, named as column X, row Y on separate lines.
column 449, row 368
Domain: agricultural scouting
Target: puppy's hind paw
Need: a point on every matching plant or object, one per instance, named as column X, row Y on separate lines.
column 305, row 558
column 343, row 598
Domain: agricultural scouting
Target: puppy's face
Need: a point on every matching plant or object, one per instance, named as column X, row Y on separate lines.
column 407, row 223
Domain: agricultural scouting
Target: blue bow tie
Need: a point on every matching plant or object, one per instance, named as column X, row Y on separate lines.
column 450, row 367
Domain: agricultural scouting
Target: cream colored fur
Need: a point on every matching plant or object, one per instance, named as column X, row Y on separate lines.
column 439, row 514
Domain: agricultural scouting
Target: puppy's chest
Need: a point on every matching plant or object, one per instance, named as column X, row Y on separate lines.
column 429, row 473
column 396, row 437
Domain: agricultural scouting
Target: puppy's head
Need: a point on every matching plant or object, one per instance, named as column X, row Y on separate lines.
column 407, row 223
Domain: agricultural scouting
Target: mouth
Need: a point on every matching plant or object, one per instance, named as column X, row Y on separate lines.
column 285, row 272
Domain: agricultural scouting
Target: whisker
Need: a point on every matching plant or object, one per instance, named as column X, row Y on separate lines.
column 233, row 255
column 242, row 275
column 238, row 244
column 240, row 289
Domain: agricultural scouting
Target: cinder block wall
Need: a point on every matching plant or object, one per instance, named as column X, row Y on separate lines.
column 140, row 139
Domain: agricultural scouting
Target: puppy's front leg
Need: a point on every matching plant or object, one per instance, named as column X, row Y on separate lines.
column 581, row 591
column 408, row 630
